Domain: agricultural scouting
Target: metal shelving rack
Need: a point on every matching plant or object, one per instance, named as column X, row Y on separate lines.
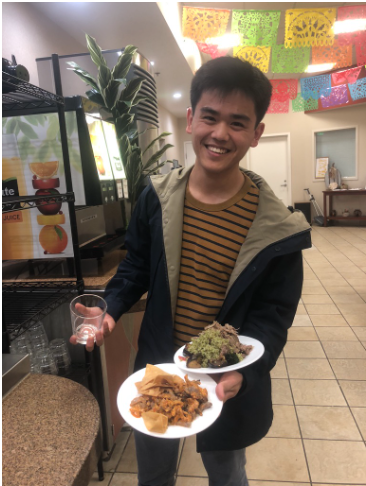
column 26, row 302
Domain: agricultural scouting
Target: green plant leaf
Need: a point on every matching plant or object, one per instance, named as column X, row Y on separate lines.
column 95, row 96
column 10, row 127
column 24, row 146
column 41, row 119
column 123, row 123
column 138, row 99
column 75, row 159
column 71, row 123
column 104, row 76
column 162, row 135
column 27, row 130
column 154, row 158
column 154, row 170
column 123, row 65
column 17, row 129
column 131, row 90
column 89, row 80
column 4, row 121
column 32, row 119
column 110, row 93
column 95, row 51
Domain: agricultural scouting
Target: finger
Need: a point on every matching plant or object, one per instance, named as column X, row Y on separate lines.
column 89, row 344
column 73, row 339
column 105, row 329
column 99, row 338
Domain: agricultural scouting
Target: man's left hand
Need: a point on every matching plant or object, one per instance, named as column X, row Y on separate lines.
column 228, row 385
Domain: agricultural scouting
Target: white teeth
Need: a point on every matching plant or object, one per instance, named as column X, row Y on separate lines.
column 217, row 150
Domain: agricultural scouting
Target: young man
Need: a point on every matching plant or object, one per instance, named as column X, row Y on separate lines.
column 214, row 243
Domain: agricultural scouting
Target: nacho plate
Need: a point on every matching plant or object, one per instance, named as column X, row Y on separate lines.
column 128, row 392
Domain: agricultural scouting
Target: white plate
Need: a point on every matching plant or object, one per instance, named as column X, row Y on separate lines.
column 128, row 392
column 254, row 355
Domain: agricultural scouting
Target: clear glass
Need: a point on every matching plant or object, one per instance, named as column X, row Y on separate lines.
column 87, row 316
column 61, row 354
column 46, row 362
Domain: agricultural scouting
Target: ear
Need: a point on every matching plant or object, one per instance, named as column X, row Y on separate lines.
column 189, row 120
column 258, row 132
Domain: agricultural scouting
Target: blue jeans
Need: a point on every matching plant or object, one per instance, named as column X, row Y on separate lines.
column 157, row 463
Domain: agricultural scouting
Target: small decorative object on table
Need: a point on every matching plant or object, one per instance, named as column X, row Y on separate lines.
column 357, row 213
column 345, row 213
column 332, row 176
column 344, row 185
column 333, row 212
column 333, row 186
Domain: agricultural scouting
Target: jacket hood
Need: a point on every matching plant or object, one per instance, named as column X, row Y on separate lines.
column 273, row 222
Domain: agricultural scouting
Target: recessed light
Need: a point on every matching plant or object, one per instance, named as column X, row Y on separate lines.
column 177, row 95
column 119, row 53
column 318, row 68
column 152, row 63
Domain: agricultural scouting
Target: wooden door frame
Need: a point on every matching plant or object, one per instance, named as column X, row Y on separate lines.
column 288, row 162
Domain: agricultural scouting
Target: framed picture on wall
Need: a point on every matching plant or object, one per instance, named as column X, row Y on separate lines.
column 321, row 167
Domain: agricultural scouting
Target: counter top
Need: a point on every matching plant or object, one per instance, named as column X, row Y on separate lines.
column 50, row 433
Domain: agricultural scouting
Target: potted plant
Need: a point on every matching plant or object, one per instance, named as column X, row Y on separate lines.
column 112, row 91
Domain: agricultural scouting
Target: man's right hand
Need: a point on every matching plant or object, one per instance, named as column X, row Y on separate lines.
column 107, row 328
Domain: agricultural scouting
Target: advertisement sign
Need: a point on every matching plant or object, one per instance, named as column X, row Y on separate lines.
column 32, row 164
column 100, row 150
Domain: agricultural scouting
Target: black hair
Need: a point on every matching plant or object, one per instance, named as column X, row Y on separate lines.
column 228, row 74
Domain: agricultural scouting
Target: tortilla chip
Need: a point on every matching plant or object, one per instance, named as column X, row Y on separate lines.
column 150, row 373
column 155, row 422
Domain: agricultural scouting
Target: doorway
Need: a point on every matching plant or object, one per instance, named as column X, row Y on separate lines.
column 189, row 155
column 271, row 160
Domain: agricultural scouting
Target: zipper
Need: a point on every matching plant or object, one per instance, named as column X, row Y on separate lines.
column 246, row 268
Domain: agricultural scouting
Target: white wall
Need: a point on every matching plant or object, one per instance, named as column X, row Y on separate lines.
column 28, row 34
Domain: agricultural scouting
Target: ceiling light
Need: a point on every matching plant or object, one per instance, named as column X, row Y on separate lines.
column 119, row 53
column 350, row 25
column 177, row 95
column 317, row 68
column 225, row 41
column 152, row 63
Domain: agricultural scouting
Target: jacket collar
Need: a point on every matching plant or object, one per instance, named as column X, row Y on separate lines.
column 273, row 222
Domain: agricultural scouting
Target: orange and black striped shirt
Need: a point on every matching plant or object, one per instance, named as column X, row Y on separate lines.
column 212, row 238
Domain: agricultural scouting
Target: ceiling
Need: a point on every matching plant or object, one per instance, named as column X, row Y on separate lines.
column 115, row 25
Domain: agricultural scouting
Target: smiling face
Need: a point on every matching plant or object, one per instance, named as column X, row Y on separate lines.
column 223, row 128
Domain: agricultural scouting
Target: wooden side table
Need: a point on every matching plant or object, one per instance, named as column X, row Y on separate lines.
column 340, row 192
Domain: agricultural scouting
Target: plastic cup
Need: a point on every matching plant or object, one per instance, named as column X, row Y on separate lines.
column 61, row 354
column 87, row 316
column 45, row 362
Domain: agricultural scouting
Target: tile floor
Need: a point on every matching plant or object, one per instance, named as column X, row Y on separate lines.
column 319, row 383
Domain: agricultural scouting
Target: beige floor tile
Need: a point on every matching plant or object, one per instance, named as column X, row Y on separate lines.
column 328, row 320
column 360, row 333
column 191, row 463
column 95, row 479
column 341, row 290
column 352, row 309
column 187, row 481
column 123, row 479
column 357, row 281
column 360, row 416
column 301, row 311
column 284, row 423
column 336, row 461
column 334, row 282
column 336, row 334
column 128, row 462
column 302, row 321
column 349, row 369
column 344, row 349
column 329, row 423
column 279, row 371
column 313, row 369
column 321, row 309
column 356, row 320
column 363, row 296
column 122, row 438
column 270, row 483
column 317, row 299
column 277, row 460
column 303, row 349
column 317, row 392
column 281, row 392
column 302, row 334
column 354, row 391
column 313, row 290
column 347, row 299
column 360, row 289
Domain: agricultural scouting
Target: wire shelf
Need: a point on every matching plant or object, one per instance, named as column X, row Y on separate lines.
column 20, row 95
column 26, row 202
column 25, row 303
